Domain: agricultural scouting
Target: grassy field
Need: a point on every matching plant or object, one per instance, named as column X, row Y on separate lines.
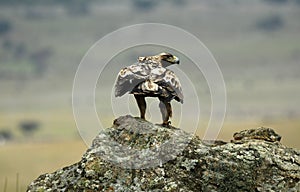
column 29, row 160
column 260, row 68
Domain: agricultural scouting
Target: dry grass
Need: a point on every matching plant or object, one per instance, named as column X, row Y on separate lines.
column 33, row 159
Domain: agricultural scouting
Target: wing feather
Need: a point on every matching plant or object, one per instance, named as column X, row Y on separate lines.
column 128, row 78
column 169, row 81
column 131, row 78
column 174, row 84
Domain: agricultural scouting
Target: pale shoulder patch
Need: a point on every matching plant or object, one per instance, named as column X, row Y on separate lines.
column 158, row 71
column 149, row 86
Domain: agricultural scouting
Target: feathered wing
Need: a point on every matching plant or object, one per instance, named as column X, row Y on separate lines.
column 168, row 82
column 173, row 85
column 128, row 78
column 149, row 80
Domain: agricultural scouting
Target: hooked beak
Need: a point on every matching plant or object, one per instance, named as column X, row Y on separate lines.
column 176, row 60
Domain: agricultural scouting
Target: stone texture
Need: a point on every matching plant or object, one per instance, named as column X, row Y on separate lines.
column 136, row 155
column 260, row 133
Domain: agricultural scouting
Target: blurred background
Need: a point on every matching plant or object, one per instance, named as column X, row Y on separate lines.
column 256, row 44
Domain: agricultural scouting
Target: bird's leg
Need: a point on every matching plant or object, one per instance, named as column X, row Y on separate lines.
column 141, row 104
column 166, row 112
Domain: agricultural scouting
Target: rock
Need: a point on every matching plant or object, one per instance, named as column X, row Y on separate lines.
column 136, row 155
column 260, row 133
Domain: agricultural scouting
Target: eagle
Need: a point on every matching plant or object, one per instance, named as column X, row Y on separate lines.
column 150, row 78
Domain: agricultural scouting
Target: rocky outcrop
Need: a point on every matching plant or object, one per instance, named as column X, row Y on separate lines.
column 136, row 155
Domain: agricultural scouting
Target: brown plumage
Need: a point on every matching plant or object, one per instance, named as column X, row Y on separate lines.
column 150, row 78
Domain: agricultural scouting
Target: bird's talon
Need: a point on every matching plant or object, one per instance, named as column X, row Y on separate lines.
column 166, row 124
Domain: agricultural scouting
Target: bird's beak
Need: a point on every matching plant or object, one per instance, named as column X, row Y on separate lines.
column 176, row 60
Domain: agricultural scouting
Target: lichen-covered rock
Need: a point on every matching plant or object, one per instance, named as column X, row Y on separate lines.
column 135, row 155
column 260, row 133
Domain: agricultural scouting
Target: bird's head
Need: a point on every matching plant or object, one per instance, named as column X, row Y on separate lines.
column 165, row 59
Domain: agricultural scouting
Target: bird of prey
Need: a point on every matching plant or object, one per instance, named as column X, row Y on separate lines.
column 150, row 78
